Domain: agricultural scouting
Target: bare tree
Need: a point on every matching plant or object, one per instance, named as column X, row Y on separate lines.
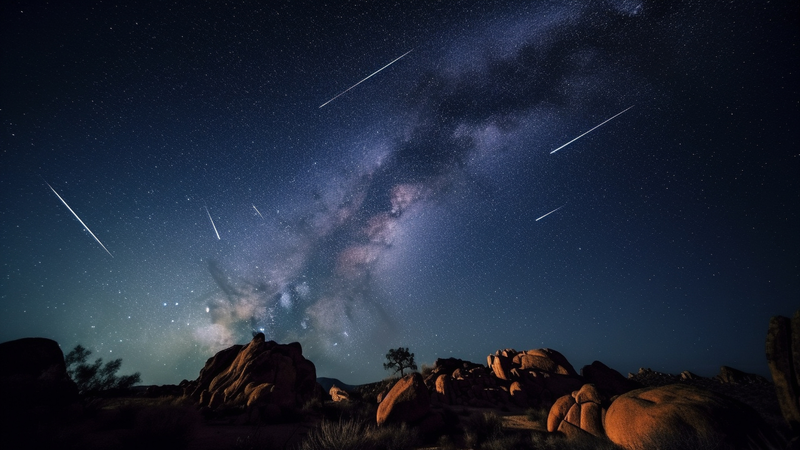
column 400, row 359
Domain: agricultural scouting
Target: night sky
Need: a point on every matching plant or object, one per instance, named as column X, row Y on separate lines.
column 223, row 199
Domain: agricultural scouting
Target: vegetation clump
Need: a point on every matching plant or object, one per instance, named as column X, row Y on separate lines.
column 96, row 377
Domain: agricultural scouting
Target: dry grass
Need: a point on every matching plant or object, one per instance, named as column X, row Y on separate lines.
column 350, row 434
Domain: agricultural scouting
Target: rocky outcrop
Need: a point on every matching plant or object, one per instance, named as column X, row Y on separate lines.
column 606, row 380
column 408, row 401
column 542, row 375
column 33, row 373
column 681, row 416
column 783, row 357
column 580, row 412
column 511, row 379
column 255, row 375
column 736, row 376
column 338, row 394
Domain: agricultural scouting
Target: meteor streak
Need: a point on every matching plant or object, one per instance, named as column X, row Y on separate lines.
column 598, row 126
column 365, row 79
column 259, row 214
column 551, row 212
column 79, row 219
column 212, row 223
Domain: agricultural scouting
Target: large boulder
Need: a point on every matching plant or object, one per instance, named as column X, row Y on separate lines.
column 408, row 401
column 681, row 416
column 578, row 413
column 255, row 375
column 607, row 380
column 783, row 358
column 33, row 373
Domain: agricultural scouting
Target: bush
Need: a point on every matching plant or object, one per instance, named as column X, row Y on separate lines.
column 482, row 428
column 354, row 435
column 538, row 415
column 96, row 377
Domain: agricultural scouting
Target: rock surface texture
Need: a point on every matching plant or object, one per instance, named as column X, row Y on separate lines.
column 681, row 416
column 580, row 412
column 254, row 375
column 511, row 379
column 408, row 401
column 783, row 357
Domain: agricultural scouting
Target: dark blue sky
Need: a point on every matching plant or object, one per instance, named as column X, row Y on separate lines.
column 404, row 212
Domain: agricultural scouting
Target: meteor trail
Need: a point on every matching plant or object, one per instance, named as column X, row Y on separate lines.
column 259, row 214
column 212, row 222
column 551, row 212
column 598, row 126
column 365, row 79
column 79, row 219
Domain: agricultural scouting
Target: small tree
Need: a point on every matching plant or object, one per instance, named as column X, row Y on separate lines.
column 96, row 377
column 400, row 359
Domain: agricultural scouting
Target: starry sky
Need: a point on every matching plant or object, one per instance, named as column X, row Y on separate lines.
column 176, row 175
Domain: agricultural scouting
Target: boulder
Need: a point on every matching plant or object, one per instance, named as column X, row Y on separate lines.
column 736, row 376
column 338, row 394
column 783, row 358
column 408, row 401
column 33, row 373
column 255, row 375
column 607, row 380
column 582, row 410
column 682, row 416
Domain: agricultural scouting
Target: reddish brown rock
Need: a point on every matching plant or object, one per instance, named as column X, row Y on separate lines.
column 255, row 375
column 407, row 401
column 585, row 412
column 338, row 394
column 547, row 360
column 558, row 412
column 592, row 418
column 681, row 416
column 445, row 389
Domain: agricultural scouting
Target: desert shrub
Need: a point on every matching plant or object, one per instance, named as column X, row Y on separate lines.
column 446, row 443
column 354, row 435
column 393, row 437
column 557, row 441
column 509, row 442
column 538, row 415
column 165, row 427
column 341, row 435
column 96, row 377
column 482, row 428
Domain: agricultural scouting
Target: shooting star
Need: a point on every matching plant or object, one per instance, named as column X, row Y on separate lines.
column 551, row 212
column 598, row 126
column 212, row 222
column 259, row 214
column 365, row 79
column 79, row 219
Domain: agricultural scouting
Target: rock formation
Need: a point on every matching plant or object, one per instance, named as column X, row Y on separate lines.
column 255, row 375
column 408, row 401
column 338, row 394
column 783, row 357
column 606, row 380
column 33, row 373
column 579, row 412
column 681, row 416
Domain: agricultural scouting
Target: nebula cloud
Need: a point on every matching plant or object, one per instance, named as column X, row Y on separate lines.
column 318, row 287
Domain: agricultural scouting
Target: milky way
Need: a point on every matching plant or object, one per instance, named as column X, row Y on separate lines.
column 405, row 213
